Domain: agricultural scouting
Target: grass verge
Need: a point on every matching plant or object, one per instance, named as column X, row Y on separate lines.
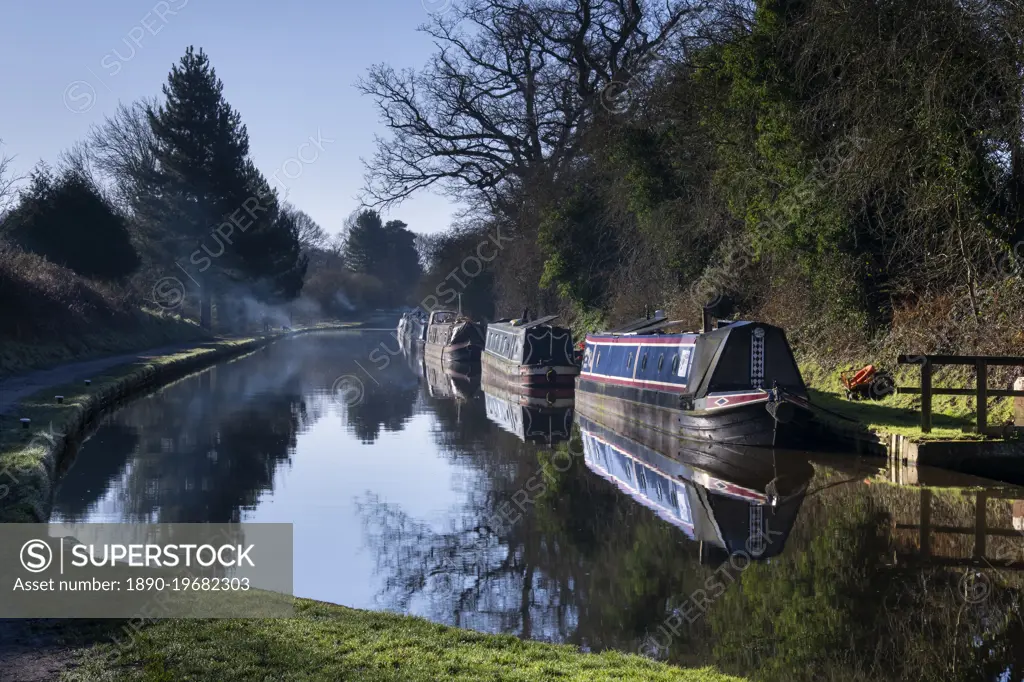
column 30, row 459
column 953, row 417
column 149, row 330
column 329, row 642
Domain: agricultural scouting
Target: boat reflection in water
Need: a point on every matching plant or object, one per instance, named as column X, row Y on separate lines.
column 731, row 499
column 450, row 381
column 541, row 420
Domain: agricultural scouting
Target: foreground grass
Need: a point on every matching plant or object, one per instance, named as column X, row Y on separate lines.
column 327, row 642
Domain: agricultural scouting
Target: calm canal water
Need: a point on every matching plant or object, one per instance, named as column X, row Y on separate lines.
column 417, row 492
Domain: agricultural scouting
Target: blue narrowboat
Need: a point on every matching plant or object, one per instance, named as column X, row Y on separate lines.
column 737, row 384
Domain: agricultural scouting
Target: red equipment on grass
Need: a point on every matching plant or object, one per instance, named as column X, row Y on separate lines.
column 868, row 382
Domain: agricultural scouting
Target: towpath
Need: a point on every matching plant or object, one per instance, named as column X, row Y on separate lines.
column 18, row 387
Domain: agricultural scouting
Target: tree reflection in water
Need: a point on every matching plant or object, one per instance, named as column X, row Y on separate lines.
column 859, row 591
column 587, row 565
column 206, row 448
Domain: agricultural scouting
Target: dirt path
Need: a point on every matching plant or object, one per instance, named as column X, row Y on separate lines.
column 27, row 655
column 20, row 386
column 41, row 649
column 14, row 389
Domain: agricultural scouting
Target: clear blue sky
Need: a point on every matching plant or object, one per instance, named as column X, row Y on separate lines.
column 289, row 68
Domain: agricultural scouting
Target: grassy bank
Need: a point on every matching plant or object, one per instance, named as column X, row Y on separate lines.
column 328, row 642
column 53, row 315
column 149, row 330
column 30, row 459
column 953, row 417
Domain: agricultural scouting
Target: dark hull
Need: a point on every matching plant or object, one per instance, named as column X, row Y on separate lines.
column 749, row 425
column 537, row 380
column 466, row 353
column 496, row 384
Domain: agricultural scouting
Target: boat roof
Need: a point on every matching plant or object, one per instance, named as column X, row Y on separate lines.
column 454, row 313
column 538, row 322
column 650, row 329
column 518, row 325
column 635, row 325
column 656, row 326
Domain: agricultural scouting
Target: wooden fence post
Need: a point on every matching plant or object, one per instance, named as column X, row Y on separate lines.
column 1018, row 403
column 982, row 396
column 926, row 396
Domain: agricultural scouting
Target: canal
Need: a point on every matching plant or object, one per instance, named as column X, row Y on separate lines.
column 418, row 493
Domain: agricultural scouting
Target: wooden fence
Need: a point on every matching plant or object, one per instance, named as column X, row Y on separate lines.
column 981, row 391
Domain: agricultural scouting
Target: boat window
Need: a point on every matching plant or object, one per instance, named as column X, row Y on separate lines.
column 643, row 362
column 661, row 361
column 641, row 479
column 597, row 360
column 675, row 363
column 629, row 361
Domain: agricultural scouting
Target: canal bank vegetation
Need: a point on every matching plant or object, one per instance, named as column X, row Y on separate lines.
column 52, row 314
column 856, row 178
column 953, row 417
column 327, row 642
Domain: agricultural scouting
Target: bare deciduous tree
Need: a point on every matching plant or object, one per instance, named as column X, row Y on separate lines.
column 505, row 98
column 123, row 148
column 311, row 235
column 8, row 181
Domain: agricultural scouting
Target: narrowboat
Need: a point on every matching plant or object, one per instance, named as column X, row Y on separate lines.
column 532, row 356
column 736, row 384
column 453, row 338
column 531, row 419
column 734, row 502
column 412, row 327
column 413, row 354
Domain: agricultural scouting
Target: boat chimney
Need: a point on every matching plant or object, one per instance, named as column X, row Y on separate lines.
column 707, row 321
column 460, row 304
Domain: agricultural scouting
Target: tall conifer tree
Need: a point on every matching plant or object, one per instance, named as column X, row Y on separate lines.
column 205, row 179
